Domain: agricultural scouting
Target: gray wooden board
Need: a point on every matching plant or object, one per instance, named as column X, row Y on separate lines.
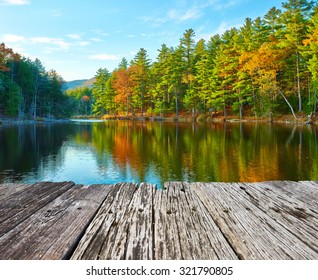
column 292, row 214
column 251, row 232
column 144, row 223
column 21, row 204
column 8, row 189
column 298, row 191
column 140, row 235
column 53, row 231
column 269, row 220
column 184, row 229
column 109, row 232
column 311, row 184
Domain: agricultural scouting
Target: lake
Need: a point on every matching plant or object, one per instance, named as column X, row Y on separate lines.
column 156, row 152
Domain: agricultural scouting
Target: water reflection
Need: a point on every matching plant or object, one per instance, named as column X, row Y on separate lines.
column 121, row 151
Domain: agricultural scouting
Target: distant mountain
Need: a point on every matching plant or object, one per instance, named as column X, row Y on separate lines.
column 79, row 83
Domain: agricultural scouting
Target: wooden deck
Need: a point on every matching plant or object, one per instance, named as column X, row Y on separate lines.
column 269, row 220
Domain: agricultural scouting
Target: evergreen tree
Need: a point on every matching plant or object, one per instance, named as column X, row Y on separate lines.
column 311, row 52
column 160, row 81
column 140, row 69
column 99, row 92
column 295, row 21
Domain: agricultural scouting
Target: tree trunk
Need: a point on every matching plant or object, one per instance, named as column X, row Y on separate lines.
column 309, row 120
column 286, row 100
column 34, row 106
column 300, row 105
column 315, row 105
column 142, row 104
column 177, row 109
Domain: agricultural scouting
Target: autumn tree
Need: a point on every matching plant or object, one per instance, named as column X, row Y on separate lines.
column 123, row 86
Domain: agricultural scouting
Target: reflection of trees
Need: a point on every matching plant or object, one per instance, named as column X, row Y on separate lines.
column 169, row 151
column 212, row 152
column 24, row 148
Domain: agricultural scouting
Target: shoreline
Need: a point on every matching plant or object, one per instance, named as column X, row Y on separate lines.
column 231, row 119
column 38, row 121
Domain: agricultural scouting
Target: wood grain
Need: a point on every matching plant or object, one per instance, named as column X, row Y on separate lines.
column 184, row 221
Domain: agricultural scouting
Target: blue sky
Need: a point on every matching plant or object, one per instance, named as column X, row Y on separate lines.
column 76, row 38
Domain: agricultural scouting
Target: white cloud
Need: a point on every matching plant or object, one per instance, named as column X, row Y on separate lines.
column 11, row 38
column 75, row 36
column 148, row 35
column 15, row 2
column 100, row 32
column 50, row 44
column 96, row 40
column 83, row 43
column 54, row 41
column 21, row 51
column 104, row 57
column 172, row 14
column 178, row 15
column 181, row 13
column 191, row 14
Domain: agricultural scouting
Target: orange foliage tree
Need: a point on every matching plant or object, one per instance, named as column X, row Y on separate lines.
column 123, row 86
column 7, row 55
column 264, row 66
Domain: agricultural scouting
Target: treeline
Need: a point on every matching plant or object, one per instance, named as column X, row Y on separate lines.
column 268, row 65
column 27, row 90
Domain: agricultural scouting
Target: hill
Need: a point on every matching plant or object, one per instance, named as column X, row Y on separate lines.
column 80, row 83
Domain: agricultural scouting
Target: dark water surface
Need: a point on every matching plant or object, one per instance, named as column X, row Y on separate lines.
column 155, row 152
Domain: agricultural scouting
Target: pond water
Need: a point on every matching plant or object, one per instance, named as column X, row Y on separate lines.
column 156, row 152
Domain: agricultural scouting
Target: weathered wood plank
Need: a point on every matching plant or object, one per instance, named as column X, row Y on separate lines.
column 296, row 190
column 139, row 238
column 184, row 229
column 10, row 188
column 209, row 230
column 312, row 184
column 26, row 200
column 53, row 231
column 251, row 232
column 107, row 235
column 292, row 214
column 268, row 220
column 167, row 243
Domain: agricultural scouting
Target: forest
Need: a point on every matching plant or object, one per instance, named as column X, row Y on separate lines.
column 267, row 67
column 27, row 90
